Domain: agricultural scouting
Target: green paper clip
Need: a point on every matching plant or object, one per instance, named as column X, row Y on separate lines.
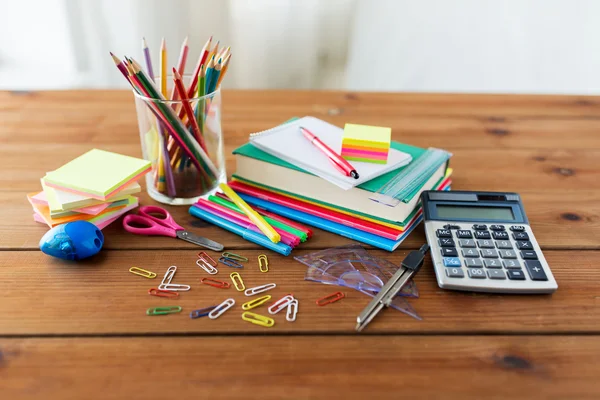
column 234, row 256
column 163, row 310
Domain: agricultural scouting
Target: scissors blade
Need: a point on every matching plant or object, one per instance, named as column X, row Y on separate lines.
column 199, row 240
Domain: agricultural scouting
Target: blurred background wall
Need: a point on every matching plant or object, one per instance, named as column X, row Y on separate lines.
column 508, row 46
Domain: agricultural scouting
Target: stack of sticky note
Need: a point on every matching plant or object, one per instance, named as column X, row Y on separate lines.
column 95, row 187
column 366, row 143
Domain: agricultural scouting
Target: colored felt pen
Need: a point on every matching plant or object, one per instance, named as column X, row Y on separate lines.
column 253, row 215
column 338, row 162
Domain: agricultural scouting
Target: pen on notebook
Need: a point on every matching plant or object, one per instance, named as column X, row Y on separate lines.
column 253, row 215
column 338, row 162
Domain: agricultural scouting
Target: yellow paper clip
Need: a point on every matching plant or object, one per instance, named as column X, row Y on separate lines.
column 263, row 263
column 142, row 272
column 258, row 319
column 256, row 302
column 236, row 278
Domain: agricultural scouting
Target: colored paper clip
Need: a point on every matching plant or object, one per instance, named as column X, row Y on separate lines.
column 205, row 265
column 142, row 272
column 332, row 298
column 221, row 308
column 234, row 256
column 258, row 319
column 203, row 312
column 230, row 262
column 162, row 293
column 166, row 282
column 292, row 310
column 236, row 278
column 203, row 256
column 163, row 310
column 215, row 283
column 256, row 302
column 259, row 289
column 280, row 304
column 263, row 263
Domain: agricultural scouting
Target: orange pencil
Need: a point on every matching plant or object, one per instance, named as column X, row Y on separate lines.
column 223, row 70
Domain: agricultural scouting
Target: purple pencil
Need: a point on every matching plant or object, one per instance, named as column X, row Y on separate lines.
column 148, row 59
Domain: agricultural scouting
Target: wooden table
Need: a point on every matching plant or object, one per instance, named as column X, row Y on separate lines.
column 79, row 331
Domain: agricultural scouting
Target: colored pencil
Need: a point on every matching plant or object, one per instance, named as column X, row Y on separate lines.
column 214, row 51
column 215, row 77
column 201, row 61
column 210, row 70
column 147, row 58
column 181, row 65
column 120, row 65
column 163, row 68
column 188, row 108
column 223, row 70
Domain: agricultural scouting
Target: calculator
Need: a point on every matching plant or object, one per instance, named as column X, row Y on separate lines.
column 482, row 242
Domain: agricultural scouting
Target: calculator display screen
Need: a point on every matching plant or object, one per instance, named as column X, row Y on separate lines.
column 475, row 213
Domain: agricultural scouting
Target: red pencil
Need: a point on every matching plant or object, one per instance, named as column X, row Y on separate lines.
column 187, row 108
column 194, row 80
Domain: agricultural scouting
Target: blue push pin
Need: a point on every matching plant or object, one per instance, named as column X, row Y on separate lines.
column 72, row 241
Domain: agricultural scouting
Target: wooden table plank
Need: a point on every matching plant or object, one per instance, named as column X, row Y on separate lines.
column 316, row 367
column 44, row 296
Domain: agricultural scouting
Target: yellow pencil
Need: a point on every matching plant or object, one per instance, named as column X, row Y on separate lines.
column 223, row 69
column 250, row 213
column 160, row 178
column 163, row 68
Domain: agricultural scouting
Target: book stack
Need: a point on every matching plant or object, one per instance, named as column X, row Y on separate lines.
column 275, row 182
column 96, row 187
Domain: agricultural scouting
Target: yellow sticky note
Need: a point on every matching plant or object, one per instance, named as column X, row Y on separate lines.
column 370, row 134
column 152, row 143
column 97, row 173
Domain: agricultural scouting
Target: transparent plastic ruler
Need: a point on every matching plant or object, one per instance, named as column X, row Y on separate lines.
column 405, row 185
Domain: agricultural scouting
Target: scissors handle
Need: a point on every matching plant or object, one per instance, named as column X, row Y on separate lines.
column 141, row 225
column 160, row 216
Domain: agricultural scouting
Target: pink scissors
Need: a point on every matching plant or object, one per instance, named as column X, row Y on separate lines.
column 156, row 221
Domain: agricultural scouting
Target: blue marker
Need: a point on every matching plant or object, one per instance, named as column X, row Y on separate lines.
column 72, row 241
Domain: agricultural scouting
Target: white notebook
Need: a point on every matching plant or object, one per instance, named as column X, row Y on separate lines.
column 287, row 142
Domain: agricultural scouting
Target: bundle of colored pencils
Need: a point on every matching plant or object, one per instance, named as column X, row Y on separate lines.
column 181, row 146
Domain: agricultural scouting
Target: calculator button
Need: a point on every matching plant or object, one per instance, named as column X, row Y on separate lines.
column 470, row 253
column 451, row 227
column 476, row 273
column 446, row 242
column 524, row 245
column 485, row 244
column 455, row 273
column 473, row 262
column 517, row 228
column 464, row 234
column 444, row 233
column 492, row 263
column 536, row 272
column 516, row 274
column 511, row 264
column 520, row 236
column 497, row 227
column 496, row 274
column 466, row 243
column 449, row 252
column 504, row 244
column 479, row 227
column 482, row 235
column 507, row 253
column 529, row 255
column 488, row 253
column 500, row 235
column 451, row 262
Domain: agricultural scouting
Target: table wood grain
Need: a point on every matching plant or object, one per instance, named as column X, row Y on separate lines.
column 71, row 331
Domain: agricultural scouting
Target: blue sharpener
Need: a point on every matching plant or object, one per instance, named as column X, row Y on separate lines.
column 72, row 241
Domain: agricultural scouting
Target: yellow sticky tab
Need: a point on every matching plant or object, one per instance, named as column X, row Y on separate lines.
column 151, row 138
column 368, row 134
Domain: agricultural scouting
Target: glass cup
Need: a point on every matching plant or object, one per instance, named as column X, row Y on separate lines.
column 186, row 154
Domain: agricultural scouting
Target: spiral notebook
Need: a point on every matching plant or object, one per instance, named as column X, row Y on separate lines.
column 287, row 142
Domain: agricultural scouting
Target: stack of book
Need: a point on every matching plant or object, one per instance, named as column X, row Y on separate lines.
column 271, row 183
column 96, row 187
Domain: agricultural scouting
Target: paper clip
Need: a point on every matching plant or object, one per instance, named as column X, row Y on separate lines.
column 236, row 278
column 163, row 310
column 280, row 304
column 142, row 272
column 234, row 256
column 256, row 302
column 221, row 308
column 230, row 262
column 215, row 283
column 205, row 265
column 292, row 310
column 166, row 282
column 258, row 319
column 259, row 289
column 332, row 298
column 263, row 263
column 203, row 312
column 203, row 256
column 162, row 293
